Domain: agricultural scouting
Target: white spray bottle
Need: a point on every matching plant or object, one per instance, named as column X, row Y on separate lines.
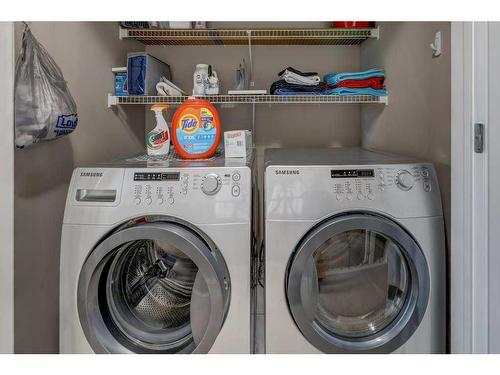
column 158, row 139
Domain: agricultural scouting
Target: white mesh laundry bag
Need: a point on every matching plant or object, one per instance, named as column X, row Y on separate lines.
column 44, row 107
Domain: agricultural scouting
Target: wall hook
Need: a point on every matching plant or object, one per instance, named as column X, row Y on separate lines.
column 436, row 46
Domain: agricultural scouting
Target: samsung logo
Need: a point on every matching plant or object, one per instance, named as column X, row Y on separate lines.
column 287, row 171
column 91, row 174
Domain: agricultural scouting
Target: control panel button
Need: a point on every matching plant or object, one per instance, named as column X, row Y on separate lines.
column 160, row 201
column 236, row 176
column 211, row 184
column 370, row 196
column 360, row 196
column 425, row 173
column 338, row 196
column 137, row 201
column 149, row 201
column 349, row 197
column 404, row 180
column 427, row 186
column 171, row 200
column 235, row 190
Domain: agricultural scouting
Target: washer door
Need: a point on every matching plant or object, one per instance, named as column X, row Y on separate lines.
column 158, row 287
column 357, row 283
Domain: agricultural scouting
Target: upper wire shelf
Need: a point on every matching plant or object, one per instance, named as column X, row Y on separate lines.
column 354, row 36
column 250, row 99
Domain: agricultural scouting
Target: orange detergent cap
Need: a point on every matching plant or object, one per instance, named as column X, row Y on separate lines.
column 161, row 106
column 196, row 129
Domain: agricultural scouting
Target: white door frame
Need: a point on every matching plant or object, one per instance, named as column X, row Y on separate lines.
column 469, row 189
column 7, row 187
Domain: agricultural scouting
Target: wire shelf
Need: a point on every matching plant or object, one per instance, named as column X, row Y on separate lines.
column 257, row 36
column 250, row 99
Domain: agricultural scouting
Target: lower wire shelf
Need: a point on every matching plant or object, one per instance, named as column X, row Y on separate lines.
column 250, row 99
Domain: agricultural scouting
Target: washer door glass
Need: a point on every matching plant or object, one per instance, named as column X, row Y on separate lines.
column 357, row 283
column 146, row 289
column 362, row 282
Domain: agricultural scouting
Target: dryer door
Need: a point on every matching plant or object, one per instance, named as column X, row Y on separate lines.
column 157, row 287
column 357, row 283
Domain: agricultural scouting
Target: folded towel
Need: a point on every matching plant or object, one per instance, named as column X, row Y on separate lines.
column 282, row 84
column 297, row 77
column 347, row 91
column 334, row 78
column 293, row 70
column 340, row 91
column 285, row 91
column 374, row 83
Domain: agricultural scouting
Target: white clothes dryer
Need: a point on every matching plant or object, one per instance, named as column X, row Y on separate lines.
column 355, row 253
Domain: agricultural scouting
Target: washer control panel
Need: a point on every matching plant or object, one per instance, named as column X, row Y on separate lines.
column 159, row 188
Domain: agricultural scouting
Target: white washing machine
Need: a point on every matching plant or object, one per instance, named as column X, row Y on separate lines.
column 155, row 257
column 355, row 253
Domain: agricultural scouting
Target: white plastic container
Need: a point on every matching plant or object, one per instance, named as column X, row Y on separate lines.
column 200, row 24
column 181, row 25
column 200, row 79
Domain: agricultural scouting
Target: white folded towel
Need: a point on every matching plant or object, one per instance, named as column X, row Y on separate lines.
column 297, row 79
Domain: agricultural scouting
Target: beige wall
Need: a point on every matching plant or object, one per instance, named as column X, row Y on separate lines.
column 85, row 52
column 417, row 120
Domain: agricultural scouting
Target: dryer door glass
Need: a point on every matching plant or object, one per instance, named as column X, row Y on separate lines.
column 145, row 289
column 357, row 283
column 362, row 281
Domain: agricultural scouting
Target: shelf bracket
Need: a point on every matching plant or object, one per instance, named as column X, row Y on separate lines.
column 375, row 33
column 112, row 100
column 122, row 33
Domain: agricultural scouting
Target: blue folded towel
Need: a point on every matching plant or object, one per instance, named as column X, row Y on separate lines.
column 284, row 91
column 334, row 78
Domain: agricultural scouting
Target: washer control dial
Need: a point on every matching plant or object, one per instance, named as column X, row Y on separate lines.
column 404, row 180
column 211, row 184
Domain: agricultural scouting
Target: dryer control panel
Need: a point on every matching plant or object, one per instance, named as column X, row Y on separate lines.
column 363, row 184
column 312, row 192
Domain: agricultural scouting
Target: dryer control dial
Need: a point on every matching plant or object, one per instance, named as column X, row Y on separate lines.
column 404, row 180
column 211, row 184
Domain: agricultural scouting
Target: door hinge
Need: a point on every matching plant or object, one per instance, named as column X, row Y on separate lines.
column 478, row 138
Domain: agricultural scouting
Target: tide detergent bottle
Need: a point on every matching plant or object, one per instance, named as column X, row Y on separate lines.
column 158, row 139
column 196, row 129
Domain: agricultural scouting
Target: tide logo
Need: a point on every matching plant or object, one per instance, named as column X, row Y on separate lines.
column 189, row 124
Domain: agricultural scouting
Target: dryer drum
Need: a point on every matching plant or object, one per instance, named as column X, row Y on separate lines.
column 357, row 283
column 362, row 282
